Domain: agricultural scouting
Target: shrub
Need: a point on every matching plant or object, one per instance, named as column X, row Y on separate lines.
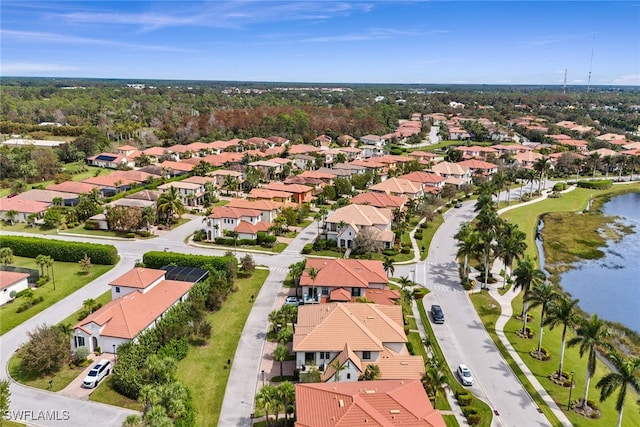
column 31, row 247
column 560, row 186
column 465, row 399
column 176, row 348
column 81, row 354
column 390, row 252
column 554, row 195
column 424, row 225
column 46, row 351
column 406, row 250
column 145, row 233
column 418, row 235
column 410, row 347
column 90, row 225
column 308, row 248
column 270, row 239
column 158, row 259
column 474, row 419
column 601, row 184
column 260, row 236
column 42, row 281
column 130, row 235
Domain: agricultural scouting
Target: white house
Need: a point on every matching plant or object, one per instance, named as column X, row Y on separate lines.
column 11, row 281
column 346, row 222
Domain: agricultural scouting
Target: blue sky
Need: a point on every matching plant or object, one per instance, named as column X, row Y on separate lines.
column 503, row 42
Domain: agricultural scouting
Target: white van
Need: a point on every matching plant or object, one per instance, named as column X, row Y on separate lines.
column 97, row 373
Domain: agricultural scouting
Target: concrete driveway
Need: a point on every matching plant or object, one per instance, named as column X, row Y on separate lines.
column 75, row 389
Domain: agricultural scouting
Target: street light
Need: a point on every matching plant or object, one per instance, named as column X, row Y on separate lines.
column 114, row 353
column 263, row 378
column 570, row 390
column 413, row 273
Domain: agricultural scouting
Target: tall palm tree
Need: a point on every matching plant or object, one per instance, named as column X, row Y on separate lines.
column 594, row 159
column 511, row 245
column 388, row 266
column 542, row 167
column 620, row 160
column 313, row 274
column 543, row 294
column 467, row 242
column 527, row 275
column 296, row 269
column 578, row 162
column 287, row 395
column 487, row 247
column 434, row 381
column 338, row 367
column 626, row 373
column 169, row 204
column 280, row 354
column 266, row 399
column 591, row 334
column 563, row 312
column 49, row 262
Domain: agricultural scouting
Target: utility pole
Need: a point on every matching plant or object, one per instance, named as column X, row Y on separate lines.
column 591, row 64
column 564, row 86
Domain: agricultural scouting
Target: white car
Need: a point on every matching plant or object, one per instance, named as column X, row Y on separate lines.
column 465, row 375
column 97, row 373
column 292, row 301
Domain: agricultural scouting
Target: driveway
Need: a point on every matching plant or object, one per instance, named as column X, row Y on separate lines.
column 75, row 389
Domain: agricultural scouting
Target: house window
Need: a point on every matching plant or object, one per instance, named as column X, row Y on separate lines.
column 355, row 292
column 117, row 289
column 366, row 355
column 79, row 341
column 309, row 358
column 324, row 355
column 348, row 375
column 325, row 290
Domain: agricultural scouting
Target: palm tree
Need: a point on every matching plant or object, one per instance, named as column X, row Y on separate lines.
column 563, row 312
column 6, row 255
column 620, row 160
column 404, row 282
column 287, row 396
column 49, row 264
column 169, row 204
column 388, row 266
column 90, row 304
column 592, row 333
column 280, row 354
column 578, row 162
column 543, row 294
column 527, row 275
column 542, row 166
column 594, row 159
column 338, row 367
column 467, row 242
column 275, row 318
column 371, row 373
column 313, row 274
column 434, row 381
column 486, row 244
column 40, row 261
column 296, row 270
column 511, row 245
column 11, row 215
column 289, row 314
column 266, row 399
column 626, row 373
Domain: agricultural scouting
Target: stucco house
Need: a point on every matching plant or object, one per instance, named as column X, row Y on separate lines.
column 346, row 222
column 22, row 208
column 143, row 295
column 11, row 281
column 224, row 219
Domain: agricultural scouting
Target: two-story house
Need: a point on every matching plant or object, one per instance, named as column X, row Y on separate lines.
column 346, row 222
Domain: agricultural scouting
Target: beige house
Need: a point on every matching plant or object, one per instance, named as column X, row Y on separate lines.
column 399, row 187
column 452, row 170
column 354, row 335
column 346, row 222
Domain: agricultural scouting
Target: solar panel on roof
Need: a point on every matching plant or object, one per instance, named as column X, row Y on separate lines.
column 106, row 158
column 185, row 274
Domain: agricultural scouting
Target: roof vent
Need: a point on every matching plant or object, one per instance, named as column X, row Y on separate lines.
column 341, row 403
column 371, row 317
column 404, row 363
column 369, row 391
column 394, row 411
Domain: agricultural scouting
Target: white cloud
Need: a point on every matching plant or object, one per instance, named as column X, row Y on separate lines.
column 628, row 79
column 14, row 68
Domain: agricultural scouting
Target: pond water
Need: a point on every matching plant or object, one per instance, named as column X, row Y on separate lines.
column 610, row 286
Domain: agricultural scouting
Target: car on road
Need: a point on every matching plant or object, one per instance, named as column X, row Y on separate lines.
column 97, row 373
column 292, row 301
column 436, row 314
column 464, row 373
column 458, row 205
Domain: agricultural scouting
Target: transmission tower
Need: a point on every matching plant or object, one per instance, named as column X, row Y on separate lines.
column 591, row 65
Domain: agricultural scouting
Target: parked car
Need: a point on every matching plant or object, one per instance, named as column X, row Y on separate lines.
column 97, row 373
column 436, row 314
column 458, row 205
column 465, row 375
column 292, row 301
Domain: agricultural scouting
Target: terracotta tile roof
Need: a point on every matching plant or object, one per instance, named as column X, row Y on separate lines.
column 382, row 296
column 278, row 140
column 423, row 177
column 397, row 186
column 155, row 151
column 302, row 149
column 133, row 175
column 225, row 172
column 422, row 154
column 126, row 148
column 366, row 327
column 361, row 215
column 22, row 205
column 263, row 193
column 72, row 187
column 341, row 359
column 232, row 212
column 138, row 277
column 178, row 148
column 604, row 152
column 379, row 200
column 449, row 168
column 348, row 273
column 340, row 295
column 108, row 181
column 201, row 180
column 150, row 195
column 395, row 366
column 177, row 166
column 261, row 205
column 45, row 196
column 197, row 146
column 248, row 228
column 528, row 157
column 129, row 315
column 289, row 188
column 477, row 164
column 8, row 278
column 384, row 403
column 317, row 174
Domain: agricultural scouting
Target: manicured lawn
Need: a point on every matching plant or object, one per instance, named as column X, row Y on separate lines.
column 59, row 379
column 9, row 423
column 21, row 227
column 73, row 318
column 69, row 278
column 106, row 394
column 277, row 248
column 450, row 420
column 204, row 370
column 572, row 362
column 427, row 236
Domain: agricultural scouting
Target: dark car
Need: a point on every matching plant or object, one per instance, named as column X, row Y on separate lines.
column 436, row 314
column 458, row 205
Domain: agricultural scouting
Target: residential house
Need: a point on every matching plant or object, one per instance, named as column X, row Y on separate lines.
column 354, row 335
column 527, row 160
column 110, row 160
column 176, row 168
column 341, row 279
column 110, row 185
column 220, row 176
column 399, row 187
column 322, row 141
column 479, row 166
column 263, row 193
column 11, row 281
column 48, row 196
column 304, row 161
column 134, row 175
column 375, row 140
column 126, row 150
column 299, row 193
column 430, row 182
column 267, row 168
column 155, row 154
column 224, row 219
column 380, row 200
column 72, row 187
column 351, row 153
column 146, row 297
column 388, row 403
column 454, row 172
column 22, row 208
column 268, row 209
column 345, row 223
column 191, row 193
column 348, row 169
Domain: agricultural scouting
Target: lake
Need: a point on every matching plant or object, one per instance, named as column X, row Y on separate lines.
column 610, row 286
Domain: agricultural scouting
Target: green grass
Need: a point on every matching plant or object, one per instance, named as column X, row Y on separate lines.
column 9, row 423
column 71, row 167
column 21, row 227
column 204, row 369
column 74, row 318
column 454, row 385
column 60, row 379
column 427, row 236
column 277, row 248
column 450, row 421
column 572, row 362
column 69, row 278
column 106, row 394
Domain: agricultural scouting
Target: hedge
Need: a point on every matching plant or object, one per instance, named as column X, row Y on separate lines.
column 31, row 247
column 158, row 259
column 601, row 184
